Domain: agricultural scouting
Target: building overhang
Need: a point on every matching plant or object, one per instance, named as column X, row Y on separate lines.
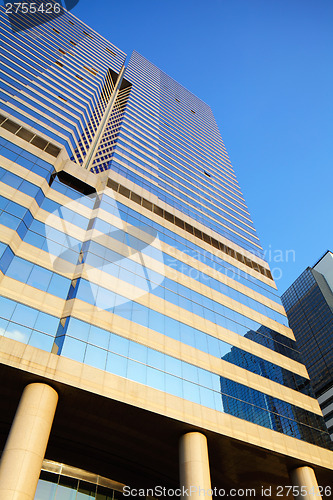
column 129, row 433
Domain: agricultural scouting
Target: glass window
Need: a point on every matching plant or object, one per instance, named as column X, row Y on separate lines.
column 201, row 341
column 116, row 364
column 73, row 349
column 25, row 314
column 11, row 179
column 140, row 314
column 172, row 328
column 47, row 323
column 155, row 378
column 78, row 329
column 34, row 239
column 9, row 220
column 191, row 392
column 18, row 332
column 156, row 359
column 104, row 299
column 105, row 494
column 59, row 286
column 173, row 366
column 207, row 397
column 19, row 269
column 42, row 341
column 216, row 382
column 138, row 352
column 67, row 488
column 190, row 372
column 174, row 385
column 39, row 278
column 99, row 337
column 95, row 356
column 29, row 189
column 218, row 402
column 136, row 372
column 86, row 491
column 3, row 325
column 187, row 335
column 205, row 378
column 119, row 345
column 16, row 210
column 213, row 346
column 7, row 307
column 46, row 488
column 155, row 321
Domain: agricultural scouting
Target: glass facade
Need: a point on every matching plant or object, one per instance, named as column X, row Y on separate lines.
column 309, row 305
column 62, row 482
column 311, row 318
column 52, row 486
column 49, row 79
column 152, row 245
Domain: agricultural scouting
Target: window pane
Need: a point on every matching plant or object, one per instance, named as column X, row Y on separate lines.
column 18, row 332
column 73, row 349
column 116, row 364
column 25, row 314
column 95, row 357
column 45, row 490
column 41, row 341
column 67, row 488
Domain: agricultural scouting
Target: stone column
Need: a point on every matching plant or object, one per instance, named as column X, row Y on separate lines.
column 305, row 483
column 194, row 466
column 25, row 448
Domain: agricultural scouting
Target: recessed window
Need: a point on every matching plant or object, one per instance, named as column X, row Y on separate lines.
column 25, row 134
column 113, row 185
column 62, row 51
column 187, row 227
column 192, row 111
column 70, row 22
column 75, row 183
column 207, row 173
column 110, row 51
column 147, row 204
column 62, row 98
column 92, row 71
column 136, row 198
column 73, row 43
column 52, row 150
column 56, row 31
column 59, row 64
column 177, row 99
column 124, row 191
column 39, row 142
column 10, row 126
column 158, row 211
column 88, row 34
column 28, row 136
column 79, row 77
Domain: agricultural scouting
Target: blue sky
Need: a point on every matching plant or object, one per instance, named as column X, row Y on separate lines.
column 266, row 69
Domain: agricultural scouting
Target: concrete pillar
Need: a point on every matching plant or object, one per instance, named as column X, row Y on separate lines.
column 194, row 466
column 305, row 484
column 23, row 455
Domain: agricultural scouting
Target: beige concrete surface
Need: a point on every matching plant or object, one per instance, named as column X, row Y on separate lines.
column 305, row 484
column 194, row 466
column 24, row 452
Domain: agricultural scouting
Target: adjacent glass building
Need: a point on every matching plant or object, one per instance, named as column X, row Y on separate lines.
column 309, row 306
column 136, row 304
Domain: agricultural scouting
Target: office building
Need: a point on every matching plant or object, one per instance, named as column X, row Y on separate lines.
column 137, row 306
column 309, row 306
